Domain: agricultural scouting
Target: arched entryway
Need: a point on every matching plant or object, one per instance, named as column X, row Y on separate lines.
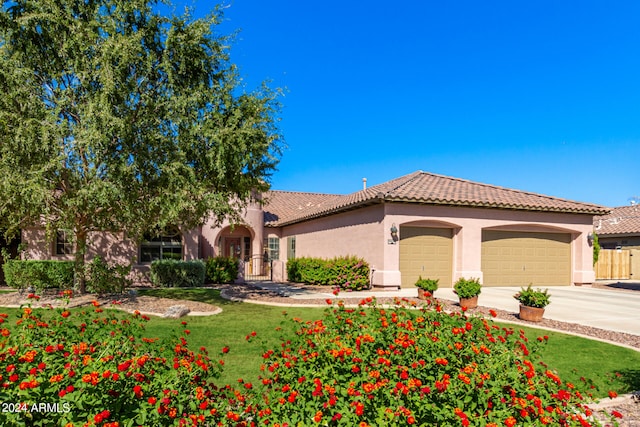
column 235, row 242
column 240, row 242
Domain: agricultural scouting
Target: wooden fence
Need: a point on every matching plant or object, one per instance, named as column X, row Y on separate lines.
column 613, row 264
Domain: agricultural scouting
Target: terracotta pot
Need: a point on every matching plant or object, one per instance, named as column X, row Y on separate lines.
column 532, row 314
column 422, row 294
column 469, row 302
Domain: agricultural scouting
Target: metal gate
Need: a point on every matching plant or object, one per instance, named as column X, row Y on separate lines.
column 258, row 269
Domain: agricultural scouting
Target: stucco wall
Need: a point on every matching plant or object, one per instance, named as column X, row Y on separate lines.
column 253, row 221
column 358, row 233
column 113, row 246
column 365, row 232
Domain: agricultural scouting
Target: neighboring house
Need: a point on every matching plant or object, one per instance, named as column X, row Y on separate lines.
column 420, row 224
column 619, row 233
column 619, row 229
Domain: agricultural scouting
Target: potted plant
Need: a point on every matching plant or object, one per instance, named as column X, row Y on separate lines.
column 426, row 287
column 532, row 303
column 468, row 291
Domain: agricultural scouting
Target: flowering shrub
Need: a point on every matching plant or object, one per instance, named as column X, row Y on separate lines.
column 95, row 368
column 371, row 366
column 364, row 366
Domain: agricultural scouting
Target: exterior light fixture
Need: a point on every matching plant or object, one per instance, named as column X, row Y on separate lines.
column 394, row 232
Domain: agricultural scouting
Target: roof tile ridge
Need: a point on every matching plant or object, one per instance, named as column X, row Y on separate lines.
column 402, row 180
column 498, row 187
column 315, row 193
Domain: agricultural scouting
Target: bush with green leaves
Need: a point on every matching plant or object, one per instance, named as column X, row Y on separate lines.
column 533, row 298
column 221, row 269
column 38, row 274
column 407, row 365
column 177, row 274
column 429, row 285
column 97, row 367
column 345, row 272
column 107, row 278
column 467, row 288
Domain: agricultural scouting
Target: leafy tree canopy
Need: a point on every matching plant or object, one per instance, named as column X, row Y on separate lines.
column 116, row 117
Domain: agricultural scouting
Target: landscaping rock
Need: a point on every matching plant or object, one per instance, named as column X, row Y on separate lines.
column 176, row 311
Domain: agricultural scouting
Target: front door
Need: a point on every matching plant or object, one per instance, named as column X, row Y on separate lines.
column 232, row 247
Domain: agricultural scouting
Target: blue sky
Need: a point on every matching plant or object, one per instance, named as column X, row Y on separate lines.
column 539, row 96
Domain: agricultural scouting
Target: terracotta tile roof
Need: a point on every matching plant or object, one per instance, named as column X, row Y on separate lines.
column 281, row 206
column 418, row 187
column 622, row 220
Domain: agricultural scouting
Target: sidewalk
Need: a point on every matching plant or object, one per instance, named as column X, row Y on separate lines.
column 596, row 307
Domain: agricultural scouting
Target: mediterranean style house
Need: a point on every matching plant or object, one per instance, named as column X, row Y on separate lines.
column 420, row 224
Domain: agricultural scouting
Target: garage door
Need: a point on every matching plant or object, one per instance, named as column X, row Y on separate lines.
column 518, row 258
column 426, row 252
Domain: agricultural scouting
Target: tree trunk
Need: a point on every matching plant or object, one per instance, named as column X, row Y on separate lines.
column 80, row 284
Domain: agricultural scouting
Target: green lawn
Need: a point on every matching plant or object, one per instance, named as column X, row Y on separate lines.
column 610, row 367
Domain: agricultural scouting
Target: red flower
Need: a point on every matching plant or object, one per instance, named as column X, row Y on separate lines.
column 137, row 390
column 616, row 414
column 225, row 350
column 359, row 408
column 493, row 313
column 101, row 416
column 613, row 394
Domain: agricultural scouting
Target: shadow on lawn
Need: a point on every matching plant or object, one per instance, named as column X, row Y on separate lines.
column 631, row 379
column 206, row 295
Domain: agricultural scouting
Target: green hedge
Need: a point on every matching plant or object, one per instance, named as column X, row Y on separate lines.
column 221, row 269
column 348, row 272
column 179, row 274
column 39, row 274
column 107, row 278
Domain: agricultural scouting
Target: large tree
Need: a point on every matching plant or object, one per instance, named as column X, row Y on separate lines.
column 114, row 116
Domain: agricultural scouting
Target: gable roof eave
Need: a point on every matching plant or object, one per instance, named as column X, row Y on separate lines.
column 434, row 202
column 432, row 189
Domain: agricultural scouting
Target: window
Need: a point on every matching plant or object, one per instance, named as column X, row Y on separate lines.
column 291, row 247
column 168, row 245
column 247, row 249
column 273, row 247
column 64, row 242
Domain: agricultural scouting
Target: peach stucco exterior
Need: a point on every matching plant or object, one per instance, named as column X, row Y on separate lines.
column 363, row 232
column 360, row 224
column 366, row 233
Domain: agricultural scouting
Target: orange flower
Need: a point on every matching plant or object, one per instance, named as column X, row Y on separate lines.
column 510, row 422
column 56, row 378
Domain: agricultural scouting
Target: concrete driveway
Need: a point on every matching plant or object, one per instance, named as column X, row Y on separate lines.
column 601, row 308
column 613, row 310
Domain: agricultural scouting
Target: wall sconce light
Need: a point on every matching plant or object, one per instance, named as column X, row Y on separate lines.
column 394, row 232
column 590, row 238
